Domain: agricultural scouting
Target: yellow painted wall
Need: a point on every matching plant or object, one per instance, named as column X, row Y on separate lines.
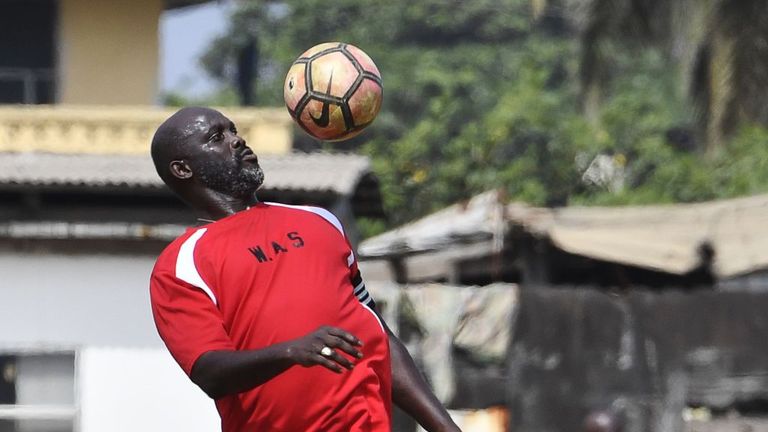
column 108, row 51
column 124, row 129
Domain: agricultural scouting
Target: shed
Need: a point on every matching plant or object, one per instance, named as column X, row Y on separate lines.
column 485, row 239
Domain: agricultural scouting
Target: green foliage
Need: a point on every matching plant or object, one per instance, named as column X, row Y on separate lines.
column 480, row 95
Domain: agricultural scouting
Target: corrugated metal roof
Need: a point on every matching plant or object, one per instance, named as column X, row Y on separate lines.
column 175, row 4
column 667, row 238
column 90, row 231
column 338, row 173
column 479, row 219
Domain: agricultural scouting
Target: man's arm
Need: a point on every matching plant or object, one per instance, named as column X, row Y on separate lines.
column 227, row 372
column 411, row 393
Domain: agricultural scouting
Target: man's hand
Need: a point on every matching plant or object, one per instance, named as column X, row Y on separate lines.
column 222, row 373
column 310, row 350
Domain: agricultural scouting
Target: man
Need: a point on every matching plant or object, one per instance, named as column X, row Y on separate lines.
column 264, row 307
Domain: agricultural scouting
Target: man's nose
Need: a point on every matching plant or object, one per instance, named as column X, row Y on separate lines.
column 238, row 143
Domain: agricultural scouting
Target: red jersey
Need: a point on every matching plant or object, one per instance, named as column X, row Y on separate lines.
column 264, row 276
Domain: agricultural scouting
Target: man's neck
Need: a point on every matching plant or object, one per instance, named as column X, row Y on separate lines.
column 215, row 205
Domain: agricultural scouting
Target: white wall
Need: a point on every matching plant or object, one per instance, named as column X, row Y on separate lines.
column 128, row 390
column 74, row 300
column 98, row 306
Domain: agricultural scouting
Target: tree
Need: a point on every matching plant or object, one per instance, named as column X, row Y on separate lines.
column 526, row 95
column 716, row 46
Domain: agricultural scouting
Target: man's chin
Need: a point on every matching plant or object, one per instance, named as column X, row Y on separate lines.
column 239, row 182
column 256, row 178
column 247, row 187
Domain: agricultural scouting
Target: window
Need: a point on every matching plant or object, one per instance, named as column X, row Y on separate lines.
column 37, row 392
column 27, row 51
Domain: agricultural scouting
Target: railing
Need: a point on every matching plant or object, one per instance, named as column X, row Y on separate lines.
column 123, row 129
column 27, row 85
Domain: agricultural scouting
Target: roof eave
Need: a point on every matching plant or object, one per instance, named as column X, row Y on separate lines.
column 178, row 4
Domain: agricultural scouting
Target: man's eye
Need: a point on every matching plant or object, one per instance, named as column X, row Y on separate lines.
column 217, row 137
column 234, row 130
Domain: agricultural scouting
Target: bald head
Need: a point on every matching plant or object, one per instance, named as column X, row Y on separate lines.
column 169, row 141
column 198, row 148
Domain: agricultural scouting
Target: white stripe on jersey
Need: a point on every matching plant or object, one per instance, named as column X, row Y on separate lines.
column 363, row 297
column 185, row 264
column 375, row 316
column 350, row 259
column 360, row 286
column 325, row 214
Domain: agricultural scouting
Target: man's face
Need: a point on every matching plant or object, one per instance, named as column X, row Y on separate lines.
column 220, row 158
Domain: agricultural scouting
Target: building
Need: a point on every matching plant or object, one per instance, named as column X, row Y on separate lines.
column 81, row 52
column 78, row 238
column 485, row 239
column 453, row 245
column 654, row 314
column 83, row 215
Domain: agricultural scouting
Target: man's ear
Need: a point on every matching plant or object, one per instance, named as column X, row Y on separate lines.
column 180, row 169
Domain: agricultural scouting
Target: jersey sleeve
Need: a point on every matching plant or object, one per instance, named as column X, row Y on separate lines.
column 355, row 278
column 186, row 318
column 358, row 285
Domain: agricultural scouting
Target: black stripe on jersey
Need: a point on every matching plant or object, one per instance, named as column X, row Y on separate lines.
column 364, row 297
column 357, row 279
column 370, row 303
column 359, row 289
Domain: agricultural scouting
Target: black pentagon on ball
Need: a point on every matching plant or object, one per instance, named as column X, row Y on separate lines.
column 349, row 121
column 342, row 48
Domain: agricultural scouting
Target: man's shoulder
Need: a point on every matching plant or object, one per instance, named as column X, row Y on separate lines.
column 171, row 251
column 315, row 212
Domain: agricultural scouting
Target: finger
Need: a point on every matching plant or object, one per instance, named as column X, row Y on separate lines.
column 340, row 359
column 349, row 337
column 337, row 342
column 325, row 362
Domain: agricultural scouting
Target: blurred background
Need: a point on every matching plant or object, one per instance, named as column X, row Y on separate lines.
column 562, row 207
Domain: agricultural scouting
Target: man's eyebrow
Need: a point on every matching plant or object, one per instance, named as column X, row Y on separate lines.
column 213, row 129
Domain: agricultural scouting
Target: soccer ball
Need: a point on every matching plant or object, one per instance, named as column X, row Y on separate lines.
column 333, row 91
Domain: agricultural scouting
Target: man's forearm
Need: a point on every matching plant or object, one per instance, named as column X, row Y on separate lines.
column 222, row 373
column 411, row 393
